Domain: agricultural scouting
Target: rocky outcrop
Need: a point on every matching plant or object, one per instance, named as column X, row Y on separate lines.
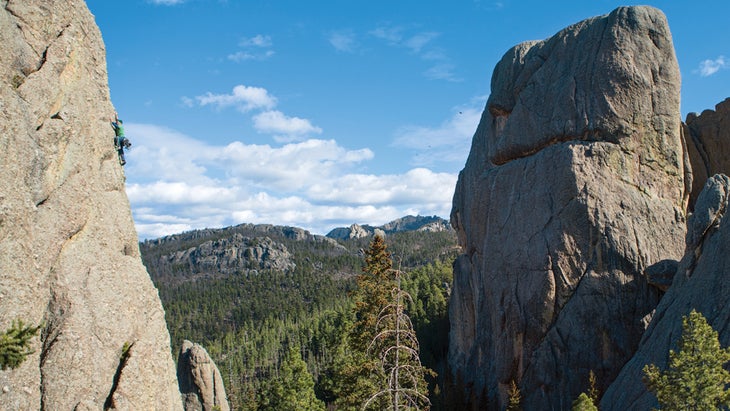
column 708, row 144
column 407, row 223
column 70, row 259
column 201, row 384
column 701, row 282
column 235, row 253
column 276, row 232
column 351, row 232
column 576, row 182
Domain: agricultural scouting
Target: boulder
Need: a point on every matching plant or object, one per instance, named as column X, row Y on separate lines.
column 201, row 384
column 701, row 282
column 576, row 182
column 660, row 274
column 70, row 260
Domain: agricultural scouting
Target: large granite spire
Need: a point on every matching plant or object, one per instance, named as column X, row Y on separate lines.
column 69, row 257
column 575, row 183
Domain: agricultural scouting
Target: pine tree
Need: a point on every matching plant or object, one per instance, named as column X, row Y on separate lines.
column 515, row 397
column 293, row 390
column 359, row 373
column 14, row 344
column 583, row 403
column 593, row 392
column 695, row 379
column 373, row 291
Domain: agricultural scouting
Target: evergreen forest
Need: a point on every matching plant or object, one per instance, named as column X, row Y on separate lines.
column 277, row 308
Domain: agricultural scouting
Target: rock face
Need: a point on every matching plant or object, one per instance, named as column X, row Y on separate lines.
column 232, row 254
column 200, row 381
column 407, row 223
column 247, row 230
column 70, row 258
column 702, row 282
column 576, row 183
column 708, row 143
column 353, row 231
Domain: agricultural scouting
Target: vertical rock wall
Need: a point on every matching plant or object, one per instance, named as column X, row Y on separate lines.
column 702, row 282
column 708, row 143
column 69, row 257
column 576, row 182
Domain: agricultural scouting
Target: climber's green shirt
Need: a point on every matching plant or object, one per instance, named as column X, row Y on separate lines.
column 118, row 129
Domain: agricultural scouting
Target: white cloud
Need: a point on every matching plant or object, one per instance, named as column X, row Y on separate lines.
column 268, row 121
column 709, row 67
column 284, row 128
column 257, row 48
column 245, row 98
column 391, row 34
column 449, row 142
column 416, row 185
column 240, row 56
column 419, row 44
column 342, row 40
column 442, row 72
column 178, row 192
column 177, row 183
column 418, row 41
column 187, row 101
column 394, row 36
column 258, row 40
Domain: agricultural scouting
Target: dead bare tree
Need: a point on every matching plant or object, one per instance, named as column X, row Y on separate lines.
column 397, row 347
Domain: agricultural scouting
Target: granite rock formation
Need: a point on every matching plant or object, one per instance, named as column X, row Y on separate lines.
column 576, row 182
column 247, row 230
column 201, row 384
column 353, row 231
column 407, row 223
column 708, row 144
column 702, row 282
column 70, row 258
column 233, row 254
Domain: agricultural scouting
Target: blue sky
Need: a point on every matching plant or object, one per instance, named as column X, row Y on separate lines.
column 320, row 114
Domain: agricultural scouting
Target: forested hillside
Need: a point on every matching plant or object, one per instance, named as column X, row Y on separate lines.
column 249, row 293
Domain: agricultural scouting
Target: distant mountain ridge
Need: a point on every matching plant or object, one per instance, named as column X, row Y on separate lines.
column 407, row 223
column 246, row 229
column 214, row 252
column 245, row 292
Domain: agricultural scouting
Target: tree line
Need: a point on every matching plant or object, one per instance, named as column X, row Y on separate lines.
column 260, row 326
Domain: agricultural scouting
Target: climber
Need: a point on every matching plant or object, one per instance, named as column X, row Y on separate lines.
column 120, row 142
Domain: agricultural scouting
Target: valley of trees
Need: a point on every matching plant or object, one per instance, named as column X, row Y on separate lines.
column 335, row 331
column 298, row 339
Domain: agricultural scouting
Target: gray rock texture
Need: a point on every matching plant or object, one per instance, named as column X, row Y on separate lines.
column 69, row 257
column 702, row 282
column 201, row 384
column 708, row 143
column 353, row 231
column 576, row 182
column 232, row 254
column 407, row 223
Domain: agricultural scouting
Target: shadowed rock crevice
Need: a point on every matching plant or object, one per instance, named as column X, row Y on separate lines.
column 123, row 358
